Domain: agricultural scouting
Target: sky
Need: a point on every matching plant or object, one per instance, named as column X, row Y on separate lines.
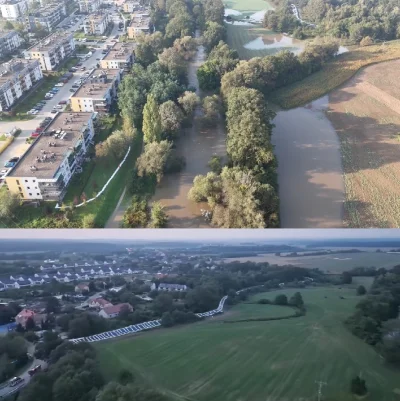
column 197, row 234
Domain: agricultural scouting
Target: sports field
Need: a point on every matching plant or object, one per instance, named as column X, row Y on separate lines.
column 247, row 6
column 258, row 361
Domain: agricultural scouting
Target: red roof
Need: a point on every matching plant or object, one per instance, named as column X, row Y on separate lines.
column 26, row 313
column 111, row 310
column 100, row 301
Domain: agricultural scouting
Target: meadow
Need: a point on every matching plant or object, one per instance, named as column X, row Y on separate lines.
column 254, row 361
column 334, row 264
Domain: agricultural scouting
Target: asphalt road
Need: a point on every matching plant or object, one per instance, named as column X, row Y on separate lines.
column 18, row 147
column 25, row 375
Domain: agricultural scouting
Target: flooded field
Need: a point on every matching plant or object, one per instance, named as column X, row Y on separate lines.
column 366, row 115
column 311, row 187
column 197, row 145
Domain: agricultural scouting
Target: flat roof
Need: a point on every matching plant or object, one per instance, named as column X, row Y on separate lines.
column 47, row 10
column 13, row 67
column 120, row 50
column 140, row 22
column 97, row 17
column 50, row 41
column 72, row 124
column 96, row 90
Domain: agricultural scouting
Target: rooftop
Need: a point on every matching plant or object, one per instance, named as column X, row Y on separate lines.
column 43, row 148
column 50, row 41
column 97, row 17
column 141, row 22
column 47, row 10
column 15, row 66
column 120, row 51
column 5, row 34
column 95, row 87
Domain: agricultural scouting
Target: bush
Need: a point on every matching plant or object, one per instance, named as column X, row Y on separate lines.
column 215, row 164
column 281, row 299
column 366, row 41
column 361, row 290
column 264, row 301
column 358, row 386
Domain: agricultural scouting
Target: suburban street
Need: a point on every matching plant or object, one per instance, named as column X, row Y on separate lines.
column 19, row 146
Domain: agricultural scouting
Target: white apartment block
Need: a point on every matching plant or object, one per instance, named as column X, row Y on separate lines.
column 98, row 92
column 48, row 17
column 17, row 77
column 52, row 50
column 96, row 24
column 89, row 6
column 45, row 170
column 14, row 9
column 120, row 56
column 9, row 41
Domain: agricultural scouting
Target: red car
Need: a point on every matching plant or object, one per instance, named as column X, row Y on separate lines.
column 39, row 129
column 79, row 64
column 62, row 102
column 35, row 134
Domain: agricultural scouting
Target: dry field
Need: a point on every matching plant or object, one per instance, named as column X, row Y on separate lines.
column 365, row 113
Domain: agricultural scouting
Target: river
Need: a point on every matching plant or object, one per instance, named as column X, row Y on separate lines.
column 310, row 176
column 197, row 145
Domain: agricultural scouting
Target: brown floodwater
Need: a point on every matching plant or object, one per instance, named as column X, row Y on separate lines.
column 197, row 145
column 310, row 177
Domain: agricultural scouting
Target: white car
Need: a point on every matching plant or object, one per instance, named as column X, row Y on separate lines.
column 33, row 111
column 49, row 95
column 4, row 172
column 60, row 84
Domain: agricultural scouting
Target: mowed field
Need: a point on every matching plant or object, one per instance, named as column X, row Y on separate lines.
column 365, row 113
column 334, row 264
column 258, row 361
column 247, row 7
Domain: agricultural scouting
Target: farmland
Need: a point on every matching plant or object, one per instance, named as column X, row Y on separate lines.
column 275, row 360
column 334, row 264
column 366, row 116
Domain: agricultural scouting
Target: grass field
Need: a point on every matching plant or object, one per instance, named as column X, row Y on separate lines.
column 254, row 361
column 248, row 6
column 334, row 264
column 255, row 311
column 334, row 74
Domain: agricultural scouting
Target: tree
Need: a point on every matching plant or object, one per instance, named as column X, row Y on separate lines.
column 167, row 320
column 137, row 214
column 215, row 164
column 189, row 102
column 171, row 118
column 154, row 158
column 163, row 303
column 125, row 377
column 186, row 47
column 159, row 218
column 211, row 109
column 296, row 300
column 152, row 127
column 30, row 324
column 148, row 47
column 361, row 290
column 9, row 202
column 8, row 26
column 358, row 386
column 346, row 278
column 213, row 34
column 116, row 144
column 366, row 41
column 281, row 299
column 173, row 60
column 89, row 221
column 52, row 305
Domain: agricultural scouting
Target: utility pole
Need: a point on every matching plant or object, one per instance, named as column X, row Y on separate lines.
column 320, row 384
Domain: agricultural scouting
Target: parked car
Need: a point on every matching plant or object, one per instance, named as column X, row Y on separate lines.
column 54, row 111
column 12, row 162
column 83, row 68
column 39, row 129
column 4, row 172
column 72, row 90
column 15, row 381
column 32, row 111
column 59, row 107
column 35, row 134
column 79, row 64
column 62, row 102
column 60, row 84
column 54, row 90
column 34, row 370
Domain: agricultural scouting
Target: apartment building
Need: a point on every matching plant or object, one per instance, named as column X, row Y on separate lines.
column 139, row 24
column 120, row 57
column 52, row 50
column 14, row 9
column 89, row 6
column 130, row 6
column 45, row 170
column 98, row 92
column 9, row 41
column 17, row 77
column 48, row 16
column 96, row 24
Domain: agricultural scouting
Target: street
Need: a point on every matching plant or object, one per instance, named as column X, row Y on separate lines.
column 18, row 147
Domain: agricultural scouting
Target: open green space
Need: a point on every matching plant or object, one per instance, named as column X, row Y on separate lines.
column 256, row 311
column 274, row 360
column 334, row 74
column 248, row 6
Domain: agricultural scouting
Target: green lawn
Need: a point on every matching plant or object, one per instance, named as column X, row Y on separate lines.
column 254, row 361
column 248, row 6
column 254, row 311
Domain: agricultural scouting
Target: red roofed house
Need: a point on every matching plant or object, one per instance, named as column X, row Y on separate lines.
column 113, row 311
column 25, row 314
column 99, row 303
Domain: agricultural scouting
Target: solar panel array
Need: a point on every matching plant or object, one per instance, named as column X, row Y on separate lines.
column 135, row 328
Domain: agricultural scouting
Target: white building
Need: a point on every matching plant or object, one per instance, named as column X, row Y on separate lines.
column 52, row 50
column 168, row 287
column 47, row 17
column 89, row 6
column 120, row 57
column 109, row 312
column 96, row 24
column 17, row 77
column 14, row 9
column 9, row 41
column 45, row 170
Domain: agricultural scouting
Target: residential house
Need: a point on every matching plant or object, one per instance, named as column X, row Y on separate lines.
column 99, row 303
column 82, row 287
column 109, row 312
column 168, row 287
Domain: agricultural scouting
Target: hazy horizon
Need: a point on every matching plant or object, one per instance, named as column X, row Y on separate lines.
column 197, row 234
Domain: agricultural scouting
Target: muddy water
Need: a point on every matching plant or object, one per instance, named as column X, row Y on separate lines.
column 311, row 187
column 197, row 145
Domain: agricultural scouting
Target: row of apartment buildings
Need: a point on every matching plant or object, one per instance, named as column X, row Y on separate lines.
column 17, row 78
column 9, row 42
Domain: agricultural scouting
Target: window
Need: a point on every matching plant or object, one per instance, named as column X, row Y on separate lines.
column 17, row 182
column 30, row 194
column 38, row 194
column 26, row 180
column 29, row 187
column 20, row 189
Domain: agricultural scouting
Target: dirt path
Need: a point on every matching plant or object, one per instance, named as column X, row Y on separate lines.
column 115, row 221
column 311, row 187
column 197, row 145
